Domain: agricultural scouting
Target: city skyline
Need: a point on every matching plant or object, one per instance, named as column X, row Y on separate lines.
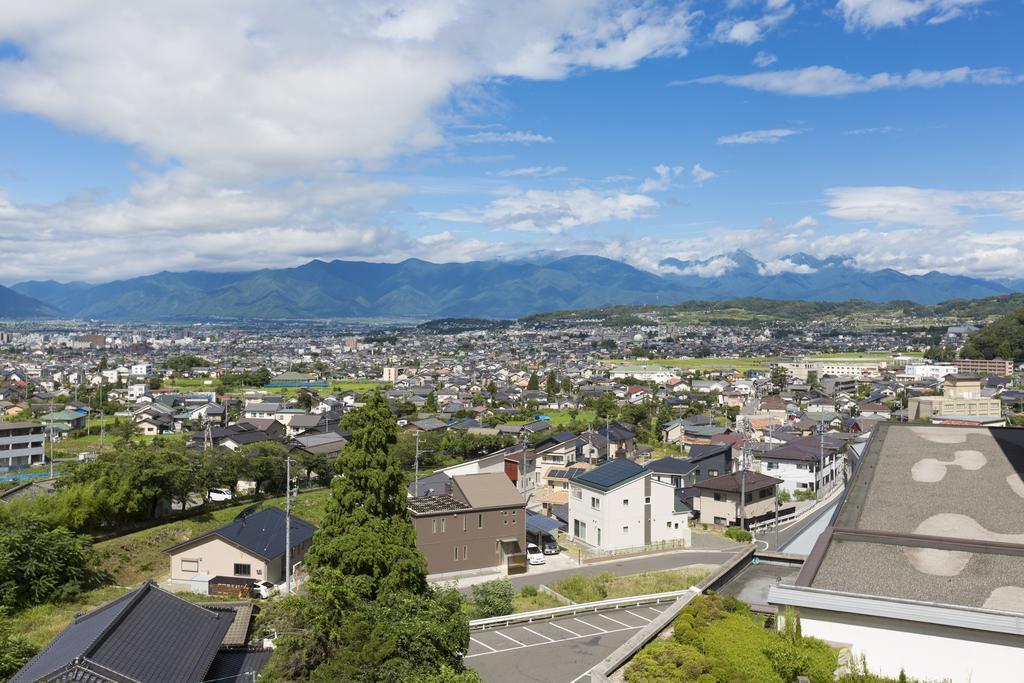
column 246, row 136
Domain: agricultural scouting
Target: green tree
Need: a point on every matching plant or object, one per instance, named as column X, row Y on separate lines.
column 534, row 383
column 551, row 384
column 431, row 405
column 40, row 564
column 493, row 598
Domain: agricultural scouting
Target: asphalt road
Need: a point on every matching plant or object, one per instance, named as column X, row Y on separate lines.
column 561, row 650
column 789, row 533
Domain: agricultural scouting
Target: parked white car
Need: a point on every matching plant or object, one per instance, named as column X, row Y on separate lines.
column 220, row 494
column 263, row 589
column 533, row 554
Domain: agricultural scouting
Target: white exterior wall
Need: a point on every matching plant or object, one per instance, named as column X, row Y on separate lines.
column 622, row 525
column 929, row 371
column 925, row 651
column 791, row 475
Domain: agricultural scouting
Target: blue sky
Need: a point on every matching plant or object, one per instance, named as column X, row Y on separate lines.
column 247, row 135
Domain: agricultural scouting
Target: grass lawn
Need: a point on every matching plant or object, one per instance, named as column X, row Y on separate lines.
column 133, row 558
column 608, row 585
column 529, row 603
column 560, row 418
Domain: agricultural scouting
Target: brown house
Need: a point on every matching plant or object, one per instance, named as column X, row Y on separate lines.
column 480, row 524
column 718, row 499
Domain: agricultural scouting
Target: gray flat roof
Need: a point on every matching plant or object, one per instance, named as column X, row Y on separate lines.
column 933, row 514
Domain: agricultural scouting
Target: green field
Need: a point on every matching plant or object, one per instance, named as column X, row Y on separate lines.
column 560, row 418
column 739, row 364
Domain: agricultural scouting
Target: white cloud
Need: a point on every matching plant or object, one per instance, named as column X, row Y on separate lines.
column 877, row 130
column 534, row 171
column 506, row 136
column 750, row 31
column 756, row 137
column 784, row 265
column 664, row 175
column 241, row 97
column 554, row 211
column 875, row 14
column 764, row 59
column 701, row 174
column 805, row 222
column 713, row 267
column 829, row 81
column 895, row 205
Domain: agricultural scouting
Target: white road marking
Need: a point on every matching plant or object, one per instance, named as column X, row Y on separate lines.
column 484, row 644
column 587, row 623
column 614, row 621
column 563, row 640
column 510, row 638
column 581, row 676
column 565, row 629
column 638, row 616
column 550, row 640
column 656, row 611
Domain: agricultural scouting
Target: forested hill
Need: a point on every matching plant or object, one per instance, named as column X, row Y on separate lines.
column 1004, row 338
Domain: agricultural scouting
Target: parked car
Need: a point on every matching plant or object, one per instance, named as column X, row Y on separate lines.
column 220, row 494
column 545, row 541
column 534, row 555
column 263, row 589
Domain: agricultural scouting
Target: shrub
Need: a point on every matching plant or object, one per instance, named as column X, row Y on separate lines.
column 737, row 534
column 583, row 588
column 785, row 496
column 492, row 598
column 665, row 661
column 528, row 591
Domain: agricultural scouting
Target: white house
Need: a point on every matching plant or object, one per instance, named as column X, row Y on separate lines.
column 811, row 462
column 619, row 505
column 137, row 391
column 922, row 371
column 141, row 369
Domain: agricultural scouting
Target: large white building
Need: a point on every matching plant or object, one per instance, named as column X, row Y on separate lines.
column 619, row 505
column 834, row 367
column 21, row 444
column 644, row 373
column 921, row 569
column 922, row 371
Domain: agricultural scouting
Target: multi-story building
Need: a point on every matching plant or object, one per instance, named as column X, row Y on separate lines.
column 801, row 368
column 21, row 444
column 620, row 505
column 996, row 366
column 718, row 499
column 919, row 372
column 961, row 397
column 480, row 523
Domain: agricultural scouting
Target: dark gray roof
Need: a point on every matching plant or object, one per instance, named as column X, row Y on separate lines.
column 146, row 635
column 671, row 465
column 231, row 665
column 432, row 485
column 261, row 533
column 610, row 474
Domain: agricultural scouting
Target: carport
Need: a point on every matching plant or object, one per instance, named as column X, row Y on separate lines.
column 542, row 524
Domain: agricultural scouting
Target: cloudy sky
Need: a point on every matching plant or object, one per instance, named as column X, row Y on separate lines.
column 241, row 134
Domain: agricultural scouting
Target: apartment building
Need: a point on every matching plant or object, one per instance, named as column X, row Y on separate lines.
column 961, row 397
column 996, row 366
column 21, row 444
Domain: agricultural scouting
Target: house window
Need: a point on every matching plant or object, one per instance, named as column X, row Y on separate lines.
column 243, row 570
column 625, row 529
column 465, row 552
column 773, row 465
column 433, row 526
column 647, row 500
column 456, row 553
column 464, row 525
column 748, row 498
column 595, row 503
column 579, row 529
column 577, row 493
column 190, row 565
column 718, row 496
column 480, row 521
column 625, row 502
column 668, row 525
column 712, row 473
column 444, row 525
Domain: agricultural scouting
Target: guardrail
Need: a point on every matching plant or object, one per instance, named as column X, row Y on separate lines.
column 581, row 608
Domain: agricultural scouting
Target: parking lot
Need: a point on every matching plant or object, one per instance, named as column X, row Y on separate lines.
column 561, row 650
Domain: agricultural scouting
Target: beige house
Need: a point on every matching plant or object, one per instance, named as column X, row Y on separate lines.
column 252, row 547
column 718, row 499
column 479, row 524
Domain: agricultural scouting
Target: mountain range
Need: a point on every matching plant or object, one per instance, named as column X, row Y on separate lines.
column 492, row 289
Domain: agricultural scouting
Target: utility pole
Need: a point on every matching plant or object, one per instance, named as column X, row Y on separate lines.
column 51, row 439
column 743, row 478
column 288, row 527
column 416, row 464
